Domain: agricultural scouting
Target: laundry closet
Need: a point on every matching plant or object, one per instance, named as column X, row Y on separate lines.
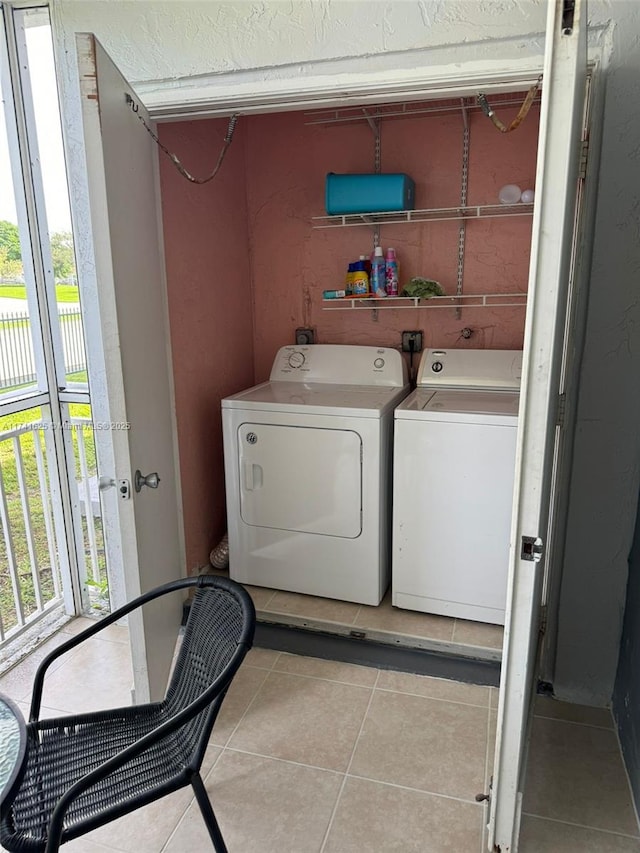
column 250, row 253
column 245, row 267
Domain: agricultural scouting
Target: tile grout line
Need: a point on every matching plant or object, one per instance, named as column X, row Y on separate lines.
column 615, row 832
column 346, row 772
column 277, row 758
column 414, row 790
column 290, row 761
column 575, row 723
column 319, row 677
column 268, row 601
column 432, row 698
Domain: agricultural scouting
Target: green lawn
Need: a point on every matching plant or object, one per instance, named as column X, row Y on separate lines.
column 64, row 292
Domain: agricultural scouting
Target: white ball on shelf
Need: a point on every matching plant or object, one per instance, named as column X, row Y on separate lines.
column 509, row 194
column 527, row 196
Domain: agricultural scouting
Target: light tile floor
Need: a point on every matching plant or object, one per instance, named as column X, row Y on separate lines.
column 315, row 756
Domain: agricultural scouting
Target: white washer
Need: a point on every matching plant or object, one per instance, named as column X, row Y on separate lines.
column 454, row 461
column 308, row 472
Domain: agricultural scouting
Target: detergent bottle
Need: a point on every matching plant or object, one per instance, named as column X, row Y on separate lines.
column 360, row 279
column 378, row 271
column 391, row 273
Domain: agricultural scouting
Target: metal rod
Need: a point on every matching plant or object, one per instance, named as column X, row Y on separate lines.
column 11, row 553
column 28, row 526
column 463, row 203
column 46, row 509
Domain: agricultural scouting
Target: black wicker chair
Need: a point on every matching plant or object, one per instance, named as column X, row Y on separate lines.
column 85, row 770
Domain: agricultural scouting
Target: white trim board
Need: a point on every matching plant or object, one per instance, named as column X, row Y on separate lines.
column 390, row 77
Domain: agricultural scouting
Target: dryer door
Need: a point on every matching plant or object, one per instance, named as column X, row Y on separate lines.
column 303, row 479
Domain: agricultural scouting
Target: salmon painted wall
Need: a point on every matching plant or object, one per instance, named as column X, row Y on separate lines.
column 245, row 268
column 292, row 263
column 210, row 311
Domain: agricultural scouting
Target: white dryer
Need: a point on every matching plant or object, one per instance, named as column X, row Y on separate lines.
column 308, row 472
column 454, row 463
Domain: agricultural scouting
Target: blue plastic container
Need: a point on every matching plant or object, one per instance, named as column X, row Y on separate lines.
column 368, row 193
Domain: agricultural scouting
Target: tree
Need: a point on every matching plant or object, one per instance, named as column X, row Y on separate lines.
column 62, row 256
column 10, row 269
column 10, row 240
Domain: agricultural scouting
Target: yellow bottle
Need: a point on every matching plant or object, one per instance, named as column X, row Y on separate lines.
column 360, row 284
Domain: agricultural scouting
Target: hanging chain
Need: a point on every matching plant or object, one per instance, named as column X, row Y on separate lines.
column 522, row 112
column 176, row 162
column 463, row 203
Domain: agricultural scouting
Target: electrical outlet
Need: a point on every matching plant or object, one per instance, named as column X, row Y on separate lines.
column 408, row 337
column 304, row 337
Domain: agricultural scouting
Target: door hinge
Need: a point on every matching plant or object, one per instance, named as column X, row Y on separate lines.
column 562, row 410
column 584, row 157
column 568, row 11
column 532, row 548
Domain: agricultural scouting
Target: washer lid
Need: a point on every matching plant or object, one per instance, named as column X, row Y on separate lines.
column 456, row 368
column 461, row 406
column 318, row 398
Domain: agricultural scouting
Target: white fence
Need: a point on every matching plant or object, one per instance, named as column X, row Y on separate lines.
column 17, row 362
column 30, row 581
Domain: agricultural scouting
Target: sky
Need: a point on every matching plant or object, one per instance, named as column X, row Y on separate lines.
column 45, row 99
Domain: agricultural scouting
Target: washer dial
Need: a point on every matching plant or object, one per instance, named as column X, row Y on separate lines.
column 296, row 359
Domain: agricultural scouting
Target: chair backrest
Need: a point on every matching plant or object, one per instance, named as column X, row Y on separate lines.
column 218, row 634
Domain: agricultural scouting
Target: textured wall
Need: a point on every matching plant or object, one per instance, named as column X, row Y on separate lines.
column 182, row 41
column 210, row 314
column 292, row 263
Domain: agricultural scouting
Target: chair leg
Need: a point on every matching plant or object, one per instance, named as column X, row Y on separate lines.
column 207, row 813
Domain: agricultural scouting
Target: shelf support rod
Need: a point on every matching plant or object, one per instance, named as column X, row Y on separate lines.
column 463, row 201
column 376, row 127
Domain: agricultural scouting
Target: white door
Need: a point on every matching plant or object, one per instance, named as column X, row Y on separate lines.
column 303, row 479
column 565, row 68
column 129, row 358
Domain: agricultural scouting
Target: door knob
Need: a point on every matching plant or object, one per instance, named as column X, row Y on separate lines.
column 150, row 480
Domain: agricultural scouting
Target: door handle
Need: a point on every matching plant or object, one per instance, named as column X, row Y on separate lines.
column 252, row 475
column 151, row 480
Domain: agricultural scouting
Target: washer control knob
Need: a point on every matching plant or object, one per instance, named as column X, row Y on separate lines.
column 296, row 359
column 379, row 363
column 436, row 366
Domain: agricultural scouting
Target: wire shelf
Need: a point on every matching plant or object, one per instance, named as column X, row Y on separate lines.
column 411, row 109
column 441, row 214
column 483, row 300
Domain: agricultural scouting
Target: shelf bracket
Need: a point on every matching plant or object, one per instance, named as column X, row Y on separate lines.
column 374, row 124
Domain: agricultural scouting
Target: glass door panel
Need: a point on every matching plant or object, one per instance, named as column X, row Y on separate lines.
column 51, row 546
column 20, row 356
column 40, row 73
